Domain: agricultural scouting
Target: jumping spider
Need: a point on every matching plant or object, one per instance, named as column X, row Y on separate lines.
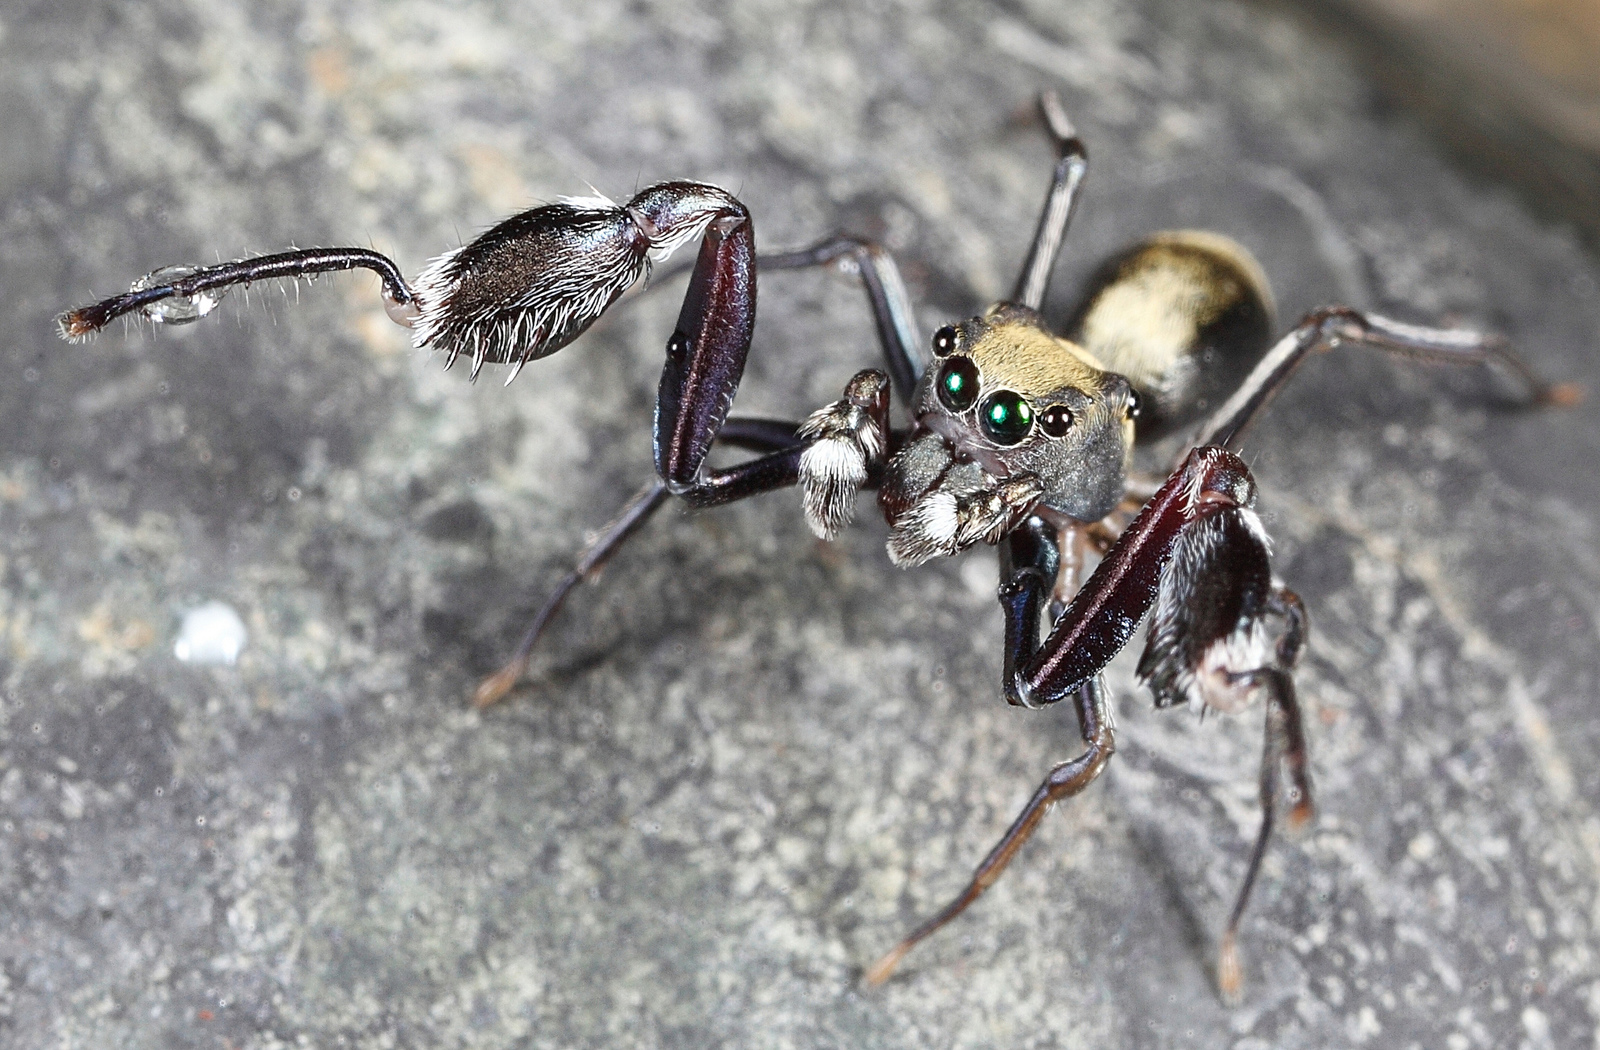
column 1017, row 437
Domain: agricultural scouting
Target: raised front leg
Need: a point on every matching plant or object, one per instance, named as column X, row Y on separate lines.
column 533, row 284
column 524, row 289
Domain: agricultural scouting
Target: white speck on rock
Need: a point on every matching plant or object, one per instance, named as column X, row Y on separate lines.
column 1365, row 1025
column 211, row 634
column 1537, row 1025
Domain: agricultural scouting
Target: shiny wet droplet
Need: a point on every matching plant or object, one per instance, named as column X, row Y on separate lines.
column 404, row 314
column 180, row 309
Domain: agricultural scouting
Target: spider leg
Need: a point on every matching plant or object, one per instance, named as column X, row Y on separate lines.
column 1106, row 610
column 892, row 312
column 1064, row 781
column 1284, row 745
column 761, row 435
column 1096, row 624
column 198, row 289
column 591, row 559
column 1030, row 564
column 1071, row 165
column 522, row 290
column 707, row 350
column 1334, row 326
column 1211, row 643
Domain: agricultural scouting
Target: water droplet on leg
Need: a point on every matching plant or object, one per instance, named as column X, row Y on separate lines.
column 180, row 309
column 405, row 314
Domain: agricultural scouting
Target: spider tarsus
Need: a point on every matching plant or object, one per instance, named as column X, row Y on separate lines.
column 884, row 968
column 1562, row 395
column 493, row 689
column 1230, row 975
column 1056, row 120
column 78, row 326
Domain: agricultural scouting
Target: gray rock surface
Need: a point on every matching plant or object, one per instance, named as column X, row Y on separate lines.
column 746, row 761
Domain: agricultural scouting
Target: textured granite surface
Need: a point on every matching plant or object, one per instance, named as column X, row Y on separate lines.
column 746, row 761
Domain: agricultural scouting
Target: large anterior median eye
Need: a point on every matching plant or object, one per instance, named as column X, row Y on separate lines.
column 1006, row 417
column 958, row 384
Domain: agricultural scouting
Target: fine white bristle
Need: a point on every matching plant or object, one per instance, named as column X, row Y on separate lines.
column 926, row 531
column 596, row 202
column 832, row 471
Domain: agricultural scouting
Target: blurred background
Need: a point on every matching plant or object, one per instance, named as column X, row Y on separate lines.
column 1512, row 87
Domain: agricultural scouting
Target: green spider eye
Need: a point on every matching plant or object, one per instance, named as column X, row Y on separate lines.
column 958, row 384
column 1006, row 417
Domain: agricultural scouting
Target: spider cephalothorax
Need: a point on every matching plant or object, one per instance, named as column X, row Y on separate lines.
column 1007, row 407
column 1016, row 437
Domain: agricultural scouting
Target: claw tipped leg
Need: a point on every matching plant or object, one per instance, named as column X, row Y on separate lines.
column 637, row 511
column 1064, row 781
column 884, row 968
column 494, row 688
column 1230, row 977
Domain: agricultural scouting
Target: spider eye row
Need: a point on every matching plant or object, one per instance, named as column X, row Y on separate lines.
column 1007, row 418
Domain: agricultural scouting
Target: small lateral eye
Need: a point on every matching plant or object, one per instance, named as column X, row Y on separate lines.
column 1133, row 404
column 1056, row 420
column 678, row 347
column 945, row 340
column 958, row 384
column 1007, row 417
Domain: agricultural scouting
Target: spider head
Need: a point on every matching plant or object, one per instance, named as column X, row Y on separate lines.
column 1007, row 397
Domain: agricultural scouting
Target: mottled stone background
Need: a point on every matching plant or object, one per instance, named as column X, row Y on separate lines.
column 746, row 761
